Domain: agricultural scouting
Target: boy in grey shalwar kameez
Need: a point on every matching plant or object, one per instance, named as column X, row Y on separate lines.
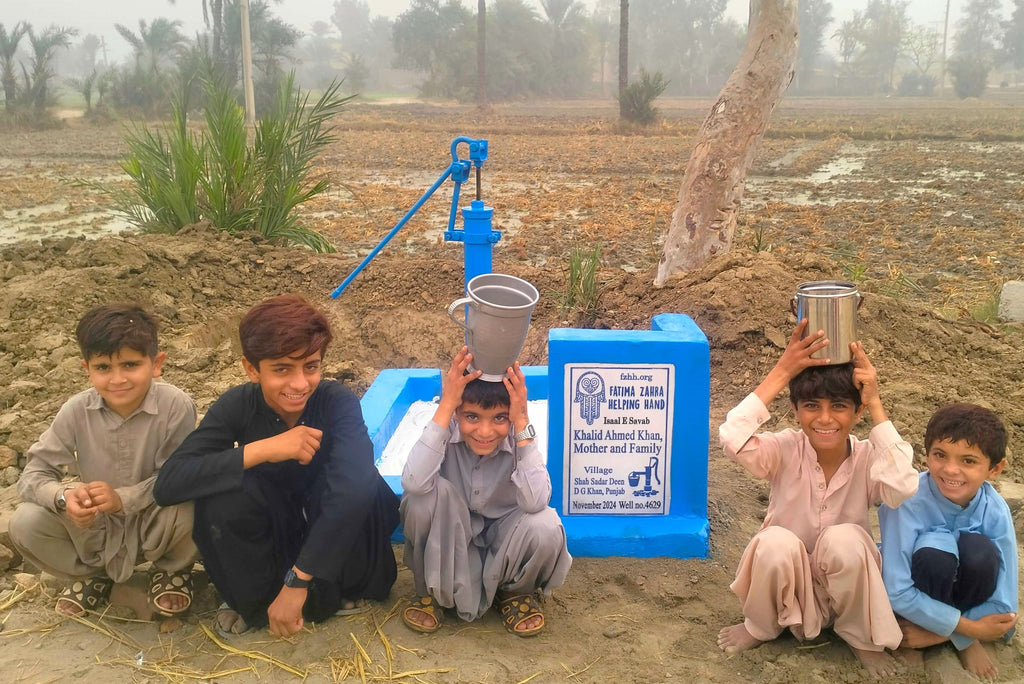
column 475, row 515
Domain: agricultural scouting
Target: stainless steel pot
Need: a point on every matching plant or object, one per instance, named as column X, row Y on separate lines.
column 829, row 305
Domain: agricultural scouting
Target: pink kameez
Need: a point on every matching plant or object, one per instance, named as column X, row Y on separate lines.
column 814, row 563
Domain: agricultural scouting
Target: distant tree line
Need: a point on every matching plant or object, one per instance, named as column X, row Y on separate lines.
column 881, row 50
column 561, row 50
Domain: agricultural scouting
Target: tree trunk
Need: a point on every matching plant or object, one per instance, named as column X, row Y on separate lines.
column 481, row 53
column 623, row 53
column 705, row 215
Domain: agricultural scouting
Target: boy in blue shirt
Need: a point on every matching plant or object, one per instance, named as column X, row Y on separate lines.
column 949, row 554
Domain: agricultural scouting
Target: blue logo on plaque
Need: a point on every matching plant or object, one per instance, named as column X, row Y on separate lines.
column 590, row 396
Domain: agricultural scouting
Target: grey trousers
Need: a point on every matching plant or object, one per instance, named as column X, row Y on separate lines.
column 111, row 547
column 518, row 553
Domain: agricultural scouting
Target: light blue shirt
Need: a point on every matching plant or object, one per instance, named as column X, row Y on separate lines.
column 930, row 519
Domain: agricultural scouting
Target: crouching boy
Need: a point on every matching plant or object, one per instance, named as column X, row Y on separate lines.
column 475, row 512
column 813, row 563
column 292, row 518
column 115, row 436
column 949, row 554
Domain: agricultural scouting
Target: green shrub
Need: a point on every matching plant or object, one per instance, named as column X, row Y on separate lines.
column 637, row 101
column 180, row 177
column 915, row 83
column 969, row 75
column 582, row 295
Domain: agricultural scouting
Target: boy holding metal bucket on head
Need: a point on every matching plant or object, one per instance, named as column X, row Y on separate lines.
column 814, row 564
column 478, row 528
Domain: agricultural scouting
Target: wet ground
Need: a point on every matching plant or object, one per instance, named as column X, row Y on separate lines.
column 918, row 202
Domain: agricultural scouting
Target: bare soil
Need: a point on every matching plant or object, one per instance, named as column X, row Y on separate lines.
column 918, row 202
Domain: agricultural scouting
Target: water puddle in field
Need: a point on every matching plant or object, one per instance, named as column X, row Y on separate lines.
column 56, row 220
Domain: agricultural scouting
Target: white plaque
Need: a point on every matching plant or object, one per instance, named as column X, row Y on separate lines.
column 618, row 438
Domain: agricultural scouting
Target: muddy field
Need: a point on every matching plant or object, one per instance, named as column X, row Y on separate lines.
column 919, row 202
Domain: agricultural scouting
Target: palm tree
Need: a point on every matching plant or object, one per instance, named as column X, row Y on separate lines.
column 213, row 16
column 567, row 19
column 8, row 48
column 43, row 48
column 155, row 44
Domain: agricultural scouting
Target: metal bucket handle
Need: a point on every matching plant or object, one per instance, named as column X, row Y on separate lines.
column 455, row 306
column 792, row 303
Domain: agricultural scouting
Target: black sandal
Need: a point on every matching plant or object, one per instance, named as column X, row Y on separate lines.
column 88, row 594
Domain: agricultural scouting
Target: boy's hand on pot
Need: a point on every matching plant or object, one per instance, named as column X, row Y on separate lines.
column 515, row 383
column 865, row 379
column 798, row 352
column 457, row 378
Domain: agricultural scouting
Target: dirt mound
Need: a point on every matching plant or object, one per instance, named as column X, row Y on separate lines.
column 200, row 283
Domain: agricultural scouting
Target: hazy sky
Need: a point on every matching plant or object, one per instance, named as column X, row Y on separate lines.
column 99, row 16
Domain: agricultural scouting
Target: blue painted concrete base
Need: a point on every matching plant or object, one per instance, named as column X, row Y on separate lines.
column 395, row 390
column 615, row 535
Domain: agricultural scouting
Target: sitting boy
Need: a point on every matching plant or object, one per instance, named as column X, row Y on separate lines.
column 813, row 563
column 115, row 436
column 475, row 515
column 949, row 554
column 293, row 520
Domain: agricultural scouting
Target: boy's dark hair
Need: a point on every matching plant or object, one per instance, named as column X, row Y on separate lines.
column 286, row 325
column 106, row 330
column 825, row 382
column 976, row 425
column 485, row 394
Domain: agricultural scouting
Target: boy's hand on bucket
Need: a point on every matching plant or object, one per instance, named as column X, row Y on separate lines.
column 798, row 352
column 515, row 383
column 795, row 358
column 454, row 384
column 865, row 379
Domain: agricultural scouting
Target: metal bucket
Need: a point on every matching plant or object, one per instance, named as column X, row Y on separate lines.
column 829, row 305
column 498, row 311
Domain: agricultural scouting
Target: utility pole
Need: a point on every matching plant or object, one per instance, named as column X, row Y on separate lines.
column 250, row 98
column 945, row 33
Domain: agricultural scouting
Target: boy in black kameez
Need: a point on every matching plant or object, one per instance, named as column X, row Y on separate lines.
column 292, row 519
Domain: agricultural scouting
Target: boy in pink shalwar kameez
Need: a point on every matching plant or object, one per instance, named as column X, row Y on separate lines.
column 814, row 563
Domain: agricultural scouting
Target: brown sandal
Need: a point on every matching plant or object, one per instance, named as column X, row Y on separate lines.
column 88, row 594
column 515, row 609
column 163, row 583
column 424, row 604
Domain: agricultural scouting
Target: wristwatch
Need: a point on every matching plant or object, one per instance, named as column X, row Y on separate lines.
column 526, row 433
column 294, row 581
column 61, row 502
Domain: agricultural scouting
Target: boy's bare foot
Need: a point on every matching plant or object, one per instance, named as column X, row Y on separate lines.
column 80, row 595
column 423, row 615
column 172, row 603
column 68, row 607
column 420, row 619
column 911, row 657
column 737, row 639
column 229, row 622
column 879, row 664
column 975, row 660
